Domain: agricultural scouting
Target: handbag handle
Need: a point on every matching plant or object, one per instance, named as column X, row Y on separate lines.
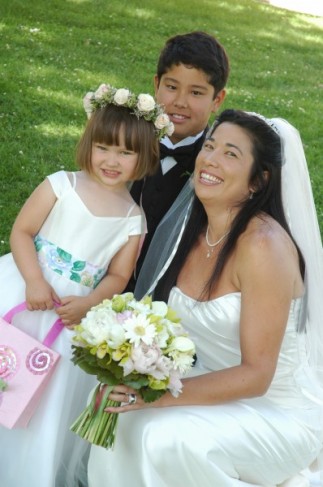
column 52, row 334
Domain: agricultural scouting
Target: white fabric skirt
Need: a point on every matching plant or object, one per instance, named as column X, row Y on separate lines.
column 246, row 443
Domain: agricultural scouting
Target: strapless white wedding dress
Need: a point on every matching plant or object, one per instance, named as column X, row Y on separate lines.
column 255, row 442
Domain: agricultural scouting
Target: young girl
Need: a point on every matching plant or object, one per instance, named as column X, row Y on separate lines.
column 74, row 243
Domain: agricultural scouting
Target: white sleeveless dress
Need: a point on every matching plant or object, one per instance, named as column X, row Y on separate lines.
column 256, row 442
column 74, row 250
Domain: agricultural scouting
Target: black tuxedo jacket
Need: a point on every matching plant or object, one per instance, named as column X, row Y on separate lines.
column 157, row 193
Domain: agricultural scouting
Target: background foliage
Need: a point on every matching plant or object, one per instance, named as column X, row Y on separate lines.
column 53, row 51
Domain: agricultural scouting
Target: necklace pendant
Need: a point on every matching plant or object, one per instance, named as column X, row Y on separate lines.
column 212, row 245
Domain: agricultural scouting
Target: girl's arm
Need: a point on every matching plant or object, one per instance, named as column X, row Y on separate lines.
column 74, row 308
column 39, row 294
column 266, row 276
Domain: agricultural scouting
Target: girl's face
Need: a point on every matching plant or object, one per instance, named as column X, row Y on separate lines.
column 113, row 165
column 223, row 167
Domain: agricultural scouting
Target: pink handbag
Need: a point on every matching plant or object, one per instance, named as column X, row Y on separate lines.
column 25, row 367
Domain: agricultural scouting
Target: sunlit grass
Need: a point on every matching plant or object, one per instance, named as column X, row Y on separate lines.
column 51, row 53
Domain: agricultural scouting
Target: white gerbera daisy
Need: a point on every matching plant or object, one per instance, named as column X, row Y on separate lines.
column 139, row 329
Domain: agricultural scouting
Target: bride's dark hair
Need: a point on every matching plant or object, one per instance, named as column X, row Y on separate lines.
column 265, row 178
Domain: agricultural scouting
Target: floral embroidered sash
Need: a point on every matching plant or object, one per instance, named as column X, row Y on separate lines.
column 65, row 264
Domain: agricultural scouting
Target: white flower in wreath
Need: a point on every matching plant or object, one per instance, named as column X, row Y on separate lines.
column 87, row 103
column 121, row 96
column 146, row 103
column 170, row 129
column 162, row 121
column 101, row 91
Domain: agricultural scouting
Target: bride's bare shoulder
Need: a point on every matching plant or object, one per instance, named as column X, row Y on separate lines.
column 265, row 235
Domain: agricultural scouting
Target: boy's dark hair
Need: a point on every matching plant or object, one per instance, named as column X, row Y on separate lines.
column 199, row 50
column 105, row 126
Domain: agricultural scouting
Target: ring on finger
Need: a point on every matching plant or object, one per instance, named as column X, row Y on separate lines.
column 132, row 399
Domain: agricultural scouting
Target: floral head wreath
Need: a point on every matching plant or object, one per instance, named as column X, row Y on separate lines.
column 143, row 106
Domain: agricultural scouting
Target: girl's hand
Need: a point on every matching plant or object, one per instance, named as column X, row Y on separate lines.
column 72, row 309
column 40, row 295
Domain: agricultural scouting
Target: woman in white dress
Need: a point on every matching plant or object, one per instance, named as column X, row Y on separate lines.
column 75, row 242
column 250, row 413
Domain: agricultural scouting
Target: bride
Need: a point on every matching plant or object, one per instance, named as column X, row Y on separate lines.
column 241, row 263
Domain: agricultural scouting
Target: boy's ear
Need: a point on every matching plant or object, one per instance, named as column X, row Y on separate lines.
column 156, row 84
column 218, row 100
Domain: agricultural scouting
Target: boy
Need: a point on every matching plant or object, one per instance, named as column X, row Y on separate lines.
column 192, row 72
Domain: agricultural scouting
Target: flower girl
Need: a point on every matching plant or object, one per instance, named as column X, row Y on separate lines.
column 74, row 243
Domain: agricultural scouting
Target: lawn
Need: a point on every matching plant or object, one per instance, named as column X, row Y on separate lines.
column 53, row 51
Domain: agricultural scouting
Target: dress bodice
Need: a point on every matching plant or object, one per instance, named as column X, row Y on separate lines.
column 71, row 226
column 214, row 327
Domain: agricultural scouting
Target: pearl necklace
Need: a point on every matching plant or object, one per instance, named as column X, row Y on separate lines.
column 212, row 245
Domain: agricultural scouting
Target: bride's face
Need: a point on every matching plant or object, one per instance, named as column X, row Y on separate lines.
column 223, row 167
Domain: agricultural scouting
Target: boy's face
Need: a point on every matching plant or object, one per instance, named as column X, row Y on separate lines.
column 188, row 99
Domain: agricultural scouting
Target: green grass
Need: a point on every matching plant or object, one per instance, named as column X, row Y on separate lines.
column 53, row 51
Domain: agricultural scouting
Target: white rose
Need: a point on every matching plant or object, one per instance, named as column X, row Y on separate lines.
column 97, row 325
column 162, row 121
column 159, row 308
column 87, row 103
column 182, row 344
column 170, row 129
column 146, row 103
column 121, row 96
column 100, row 91
column 116, row 337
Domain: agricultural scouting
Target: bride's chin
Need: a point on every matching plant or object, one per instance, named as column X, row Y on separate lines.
column 204, row 193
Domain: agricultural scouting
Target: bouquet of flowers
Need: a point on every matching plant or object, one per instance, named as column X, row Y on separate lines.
column 124, row 341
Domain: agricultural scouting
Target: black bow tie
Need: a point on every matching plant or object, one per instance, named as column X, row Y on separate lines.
column 183, row 154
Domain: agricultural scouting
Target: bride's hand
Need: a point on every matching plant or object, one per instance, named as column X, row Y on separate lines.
column 129, row 398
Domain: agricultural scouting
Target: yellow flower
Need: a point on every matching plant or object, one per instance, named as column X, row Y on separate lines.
column 158, row 385
column 101, row 351
column 122, row 352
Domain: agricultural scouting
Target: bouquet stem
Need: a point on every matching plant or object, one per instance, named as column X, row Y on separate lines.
column 94, row 424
